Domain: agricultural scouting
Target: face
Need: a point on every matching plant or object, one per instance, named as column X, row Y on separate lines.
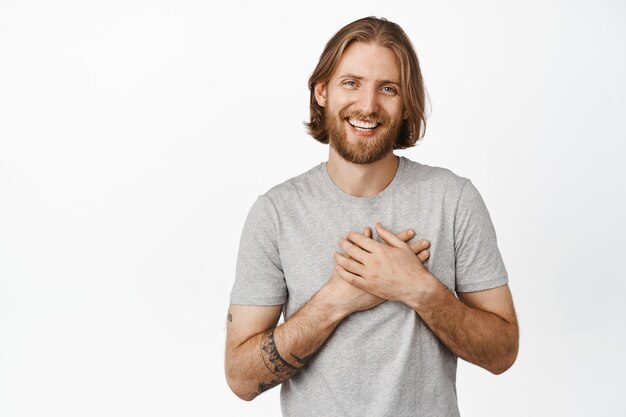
column 362, row 103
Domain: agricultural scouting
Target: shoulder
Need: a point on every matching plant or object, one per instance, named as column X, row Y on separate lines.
column 437, row 178
column 300, row 187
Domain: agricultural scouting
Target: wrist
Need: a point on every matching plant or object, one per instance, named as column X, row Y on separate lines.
column 333, row 309
column 330, row 300
column 426, row 294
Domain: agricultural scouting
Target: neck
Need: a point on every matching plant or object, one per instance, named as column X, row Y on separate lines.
column 362, row 180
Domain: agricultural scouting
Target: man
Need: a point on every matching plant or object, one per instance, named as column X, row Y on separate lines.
column 372, row 323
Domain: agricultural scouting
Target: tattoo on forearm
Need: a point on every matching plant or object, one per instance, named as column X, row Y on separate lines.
column 272, row 359
column 229, row 317
column 301, row 361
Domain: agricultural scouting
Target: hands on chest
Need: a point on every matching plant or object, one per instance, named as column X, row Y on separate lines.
column 370, row 272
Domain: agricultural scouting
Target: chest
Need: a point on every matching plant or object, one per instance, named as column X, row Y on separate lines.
column 309, row 235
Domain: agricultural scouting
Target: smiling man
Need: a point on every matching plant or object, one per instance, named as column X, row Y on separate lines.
column 374, row 320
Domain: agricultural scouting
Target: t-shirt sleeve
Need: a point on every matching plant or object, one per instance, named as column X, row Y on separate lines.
column 478, row 262
column 259, row 278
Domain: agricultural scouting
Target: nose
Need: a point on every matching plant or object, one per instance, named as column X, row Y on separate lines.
column 368, row 101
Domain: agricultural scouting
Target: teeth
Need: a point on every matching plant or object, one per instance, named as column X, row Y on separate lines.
column 361, row 124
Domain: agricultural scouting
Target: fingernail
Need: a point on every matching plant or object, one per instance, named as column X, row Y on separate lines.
column 411, row 232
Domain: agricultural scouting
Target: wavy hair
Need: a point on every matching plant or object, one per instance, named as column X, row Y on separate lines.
column 412, row 91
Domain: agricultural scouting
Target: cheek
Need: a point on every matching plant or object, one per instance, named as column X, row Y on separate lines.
column 339, row 102
column 395, row 108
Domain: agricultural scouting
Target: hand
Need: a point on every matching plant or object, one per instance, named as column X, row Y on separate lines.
column 353, row 299
column 388, row 270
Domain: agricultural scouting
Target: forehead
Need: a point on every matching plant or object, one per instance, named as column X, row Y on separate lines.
column 368, row 60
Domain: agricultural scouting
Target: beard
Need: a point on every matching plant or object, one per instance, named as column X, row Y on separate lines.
column 362, row 150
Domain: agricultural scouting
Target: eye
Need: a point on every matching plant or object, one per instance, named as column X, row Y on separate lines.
column 350, row 83
column 390, row 90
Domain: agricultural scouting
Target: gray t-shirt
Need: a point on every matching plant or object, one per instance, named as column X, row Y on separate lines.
column 383, row 361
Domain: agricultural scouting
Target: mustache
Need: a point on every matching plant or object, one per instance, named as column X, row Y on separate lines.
column 370, row 118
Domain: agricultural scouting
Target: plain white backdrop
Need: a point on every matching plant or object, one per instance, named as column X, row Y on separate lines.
column 135, row 135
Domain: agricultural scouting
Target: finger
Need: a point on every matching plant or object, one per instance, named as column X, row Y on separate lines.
column 353, row 251
column 389, row 237
column 349, row 264
column 423, row 256
column 363, row 242
column 406, row 235
column 419, row 245
column 366, row 232
column 349, row 277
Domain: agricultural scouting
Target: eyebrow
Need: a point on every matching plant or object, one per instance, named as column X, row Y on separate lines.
column 357, row 77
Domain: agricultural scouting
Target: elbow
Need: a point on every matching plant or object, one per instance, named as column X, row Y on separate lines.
column 501, row 368
column 505, row 362
column 238, row 388
column 508, row 354
column 245, row 396
column 237, row 381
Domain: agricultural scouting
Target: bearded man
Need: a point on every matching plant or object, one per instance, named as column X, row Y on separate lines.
column 374, row 320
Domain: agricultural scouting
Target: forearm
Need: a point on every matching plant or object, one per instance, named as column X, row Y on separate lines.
column 480, row 337
column 273, row 356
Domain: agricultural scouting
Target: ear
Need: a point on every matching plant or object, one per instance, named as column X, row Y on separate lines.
column 320, row 94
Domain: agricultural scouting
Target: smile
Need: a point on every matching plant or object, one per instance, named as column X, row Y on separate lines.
column 362, row 125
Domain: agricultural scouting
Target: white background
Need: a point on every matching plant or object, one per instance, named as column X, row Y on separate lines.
column 134, row 137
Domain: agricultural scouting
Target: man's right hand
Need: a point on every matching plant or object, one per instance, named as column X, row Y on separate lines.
column 351, row 299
